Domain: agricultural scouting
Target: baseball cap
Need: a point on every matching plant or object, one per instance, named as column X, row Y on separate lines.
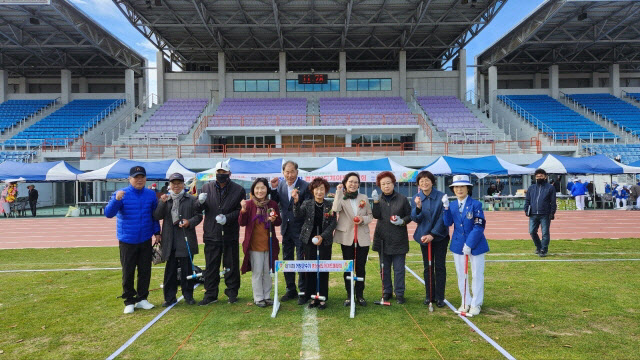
column 176, row 176
column 222, row 165
column 137, row 170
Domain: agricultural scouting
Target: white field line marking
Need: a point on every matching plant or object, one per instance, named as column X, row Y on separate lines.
column 310, row 347
column 472, row 325
column 540, row 260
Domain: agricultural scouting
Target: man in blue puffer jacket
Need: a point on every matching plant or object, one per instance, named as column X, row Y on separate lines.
column 134, row 206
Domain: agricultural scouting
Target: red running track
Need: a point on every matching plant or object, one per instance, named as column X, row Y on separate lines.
column 502, row 225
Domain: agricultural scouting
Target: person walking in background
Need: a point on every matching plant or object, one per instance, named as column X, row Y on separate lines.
column 540, row 206
column 427, row 213
column 134, row 206
column 634, row 196
column 578, row 191
column 220, row 200
column 177, row 210
column 33, row 199
column 354, row 214
column 260, row 216
column 570, row 184
column 391, row 237
column 319, row 222
column 292, row 244
column 467, row 240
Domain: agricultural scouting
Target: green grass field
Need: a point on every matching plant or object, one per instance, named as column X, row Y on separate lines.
column 535, row 310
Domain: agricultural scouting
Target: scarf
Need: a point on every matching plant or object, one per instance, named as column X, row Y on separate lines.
column 350, row 195
column 261, row 211
column 175, row 208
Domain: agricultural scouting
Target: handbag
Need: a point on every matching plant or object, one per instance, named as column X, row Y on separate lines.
column 157, row 253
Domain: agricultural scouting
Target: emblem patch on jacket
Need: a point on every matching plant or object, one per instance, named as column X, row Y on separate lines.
column 469, row 216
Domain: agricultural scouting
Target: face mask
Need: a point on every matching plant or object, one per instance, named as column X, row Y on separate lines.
column 540, row 181
column 222, row 178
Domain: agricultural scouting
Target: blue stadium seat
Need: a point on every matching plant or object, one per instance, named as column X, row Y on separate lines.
column 12, row 112
column 610, row 107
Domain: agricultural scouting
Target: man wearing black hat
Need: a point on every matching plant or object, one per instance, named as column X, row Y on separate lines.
column 134, row 206
column 177, row 210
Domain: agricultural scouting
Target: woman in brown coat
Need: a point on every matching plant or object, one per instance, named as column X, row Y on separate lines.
column 354, row 212
column 260, row 216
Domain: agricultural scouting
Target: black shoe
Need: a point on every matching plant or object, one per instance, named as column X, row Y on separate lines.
column 537, row 251
column 269, row 302
column 302, row 300
column 207, row 301
column 386, row 297
column 189, row 300
column 322, row 305
column 313, row 304
column 347, row 303
column 362, row 301
column 232, row 299
column 440, row 303
column 261, row 304
column 400, row 299
column 542, row 254
column 426, row 302
column 169, row 303
column 288, row 296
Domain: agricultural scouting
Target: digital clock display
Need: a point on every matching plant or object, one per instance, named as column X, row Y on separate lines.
column 313, row 79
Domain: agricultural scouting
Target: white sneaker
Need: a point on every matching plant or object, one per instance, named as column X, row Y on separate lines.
column 144, row 304
column 128, row 309
column 462, row 308
column 475, row 310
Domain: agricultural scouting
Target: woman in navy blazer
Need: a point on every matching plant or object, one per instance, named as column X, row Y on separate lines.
column 468, row 238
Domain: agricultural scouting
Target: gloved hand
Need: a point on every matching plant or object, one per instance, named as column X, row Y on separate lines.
column 202, row 197
column 445, row 201
column 374, row 195
column 466, row 250
column 398, row 221
column 221, row 219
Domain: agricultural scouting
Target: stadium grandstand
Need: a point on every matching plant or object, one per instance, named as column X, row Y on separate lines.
column 568, row 71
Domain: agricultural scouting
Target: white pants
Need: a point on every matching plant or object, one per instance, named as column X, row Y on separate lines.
column 621, row 203
column 260, row 277
column 580, row 202
column 477, row 286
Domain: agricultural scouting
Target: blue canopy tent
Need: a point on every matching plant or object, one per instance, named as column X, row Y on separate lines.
column 368, row 169
column 636, row 163
column 597, row 164
column 38, row 172
column 248, row 170
column 156, row 170
column 480, row 166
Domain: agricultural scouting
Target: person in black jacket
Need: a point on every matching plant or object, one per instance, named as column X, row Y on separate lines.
column 319, row 222
column 540, row 207
column 33, row 198
column 391, row 237
column 177, row 210
column 292, row 244
column 220, row 201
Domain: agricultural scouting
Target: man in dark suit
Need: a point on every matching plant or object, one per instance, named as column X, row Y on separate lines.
column 291, row 243
column 33, row 198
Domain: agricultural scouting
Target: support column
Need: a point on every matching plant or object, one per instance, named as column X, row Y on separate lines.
column 595, row 80
column 537, row 81
column 348, row 138
column 142, row 82
column 462, row 74
column 160, row 76
column 282, row 71
column 554, row 81
column 22, row 85
column 493, row 87
column 83, row 85
column 614, row 79
column 65, row 86
column 481, row 93
column 402, row 86
column 343, row 73
column 222, row 77
column 129, row 87
column 278, row 139
column 4, row 85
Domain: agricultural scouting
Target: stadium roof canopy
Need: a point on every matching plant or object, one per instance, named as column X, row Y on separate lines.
column 311, row 32
column 577, row 35
column 40, row 40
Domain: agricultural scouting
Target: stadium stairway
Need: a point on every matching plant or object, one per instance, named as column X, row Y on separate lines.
column 499, row 133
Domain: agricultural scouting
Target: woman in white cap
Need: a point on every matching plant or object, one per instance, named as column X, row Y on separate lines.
column 468, row 240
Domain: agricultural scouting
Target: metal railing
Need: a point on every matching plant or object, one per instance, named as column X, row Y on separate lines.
column 159, row 151
column 18, row 127
column 125, row 122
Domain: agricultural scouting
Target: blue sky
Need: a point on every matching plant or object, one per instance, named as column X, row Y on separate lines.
column 107, row 14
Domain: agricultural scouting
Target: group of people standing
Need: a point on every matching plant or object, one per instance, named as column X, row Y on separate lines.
column 309, row 225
